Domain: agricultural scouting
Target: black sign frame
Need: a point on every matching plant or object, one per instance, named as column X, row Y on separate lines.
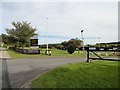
column 33, row 42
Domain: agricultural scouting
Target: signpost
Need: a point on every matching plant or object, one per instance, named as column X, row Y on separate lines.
column 34, row 44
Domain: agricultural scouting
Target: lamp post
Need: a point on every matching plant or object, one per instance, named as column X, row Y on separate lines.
column 47, row 35
column 82, row 39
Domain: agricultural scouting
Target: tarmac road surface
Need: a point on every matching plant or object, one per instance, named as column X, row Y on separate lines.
column 4, row 76
column 23, row 70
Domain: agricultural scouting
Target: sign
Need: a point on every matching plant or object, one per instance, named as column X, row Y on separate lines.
column 34, row 42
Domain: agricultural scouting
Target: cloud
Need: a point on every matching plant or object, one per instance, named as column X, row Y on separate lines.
column 66, row 18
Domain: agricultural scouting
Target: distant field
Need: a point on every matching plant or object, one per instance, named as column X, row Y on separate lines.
column 96, row 74
column 55, row 53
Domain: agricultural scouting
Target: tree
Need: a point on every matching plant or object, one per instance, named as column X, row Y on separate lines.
column 22, row 32
column 65, row 44
column 70, row 48
column 76, row 42
column 4, row 38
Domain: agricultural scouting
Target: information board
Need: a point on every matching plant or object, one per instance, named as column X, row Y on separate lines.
column 34, row 42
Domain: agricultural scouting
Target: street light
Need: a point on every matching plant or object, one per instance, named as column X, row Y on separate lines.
column 82, row 39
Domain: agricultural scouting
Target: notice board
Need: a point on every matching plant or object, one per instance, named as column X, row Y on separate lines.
column 34, row 42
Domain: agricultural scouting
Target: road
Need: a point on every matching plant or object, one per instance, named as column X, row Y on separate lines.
column 0, row 74
column 23, row 70
column 4, row 76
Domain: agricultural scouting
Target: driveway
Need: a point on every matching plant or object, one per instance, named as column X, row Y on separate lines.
column 4, row 76
column 23, row 70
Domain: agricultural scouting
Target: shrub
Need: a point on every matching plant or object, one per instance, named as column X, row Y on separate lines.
column 70, row 49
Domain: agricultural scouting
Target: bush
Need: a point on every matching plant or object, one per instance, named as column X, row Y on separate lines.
column 70, row 49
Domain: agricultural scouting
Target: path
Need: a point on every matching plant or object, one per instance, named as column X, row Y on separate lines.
column 4, row 54
column 4, row 76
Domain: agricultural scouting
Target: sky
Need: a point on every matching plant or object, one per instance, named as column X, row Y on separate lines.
column 98, row 19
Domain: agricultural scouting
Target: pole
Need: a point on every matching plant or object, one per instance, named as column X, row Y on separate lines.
column 88, row 54
column 82, row 39
column 47, row 35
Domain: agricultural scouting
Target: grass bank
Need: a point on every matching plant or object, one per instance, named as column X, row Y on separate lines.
column 97, row 74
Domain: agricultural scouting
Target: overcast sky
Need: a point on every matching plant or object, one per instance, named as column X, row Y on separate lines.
column 65, row 19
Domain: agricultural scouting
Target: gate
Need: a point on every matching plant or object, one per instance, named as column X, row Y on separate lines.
column 103, row 49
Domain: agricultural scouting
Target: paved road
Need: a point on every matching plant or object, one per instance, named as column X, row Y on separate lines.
column 23, row 70
column 0, row 74
column 4, row 76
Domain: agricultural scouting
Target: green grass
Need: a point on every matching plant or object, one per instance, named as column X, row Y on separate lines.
column 55, row 53
column 14, row 54
column 97, row 74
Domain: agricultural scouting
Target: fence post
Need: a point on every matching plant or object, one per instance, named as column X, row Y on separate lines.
column 88, row 54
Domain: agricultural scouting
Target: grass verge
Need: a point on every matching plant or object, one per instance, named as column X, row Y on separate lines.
column 97, row 74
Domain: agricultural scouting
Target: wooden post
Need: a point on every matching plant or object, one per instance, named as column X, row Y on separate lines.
column 88, row 54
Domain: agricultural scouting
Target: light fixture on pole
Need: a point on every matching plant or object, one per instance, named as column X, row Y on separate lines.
column 82, row 39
